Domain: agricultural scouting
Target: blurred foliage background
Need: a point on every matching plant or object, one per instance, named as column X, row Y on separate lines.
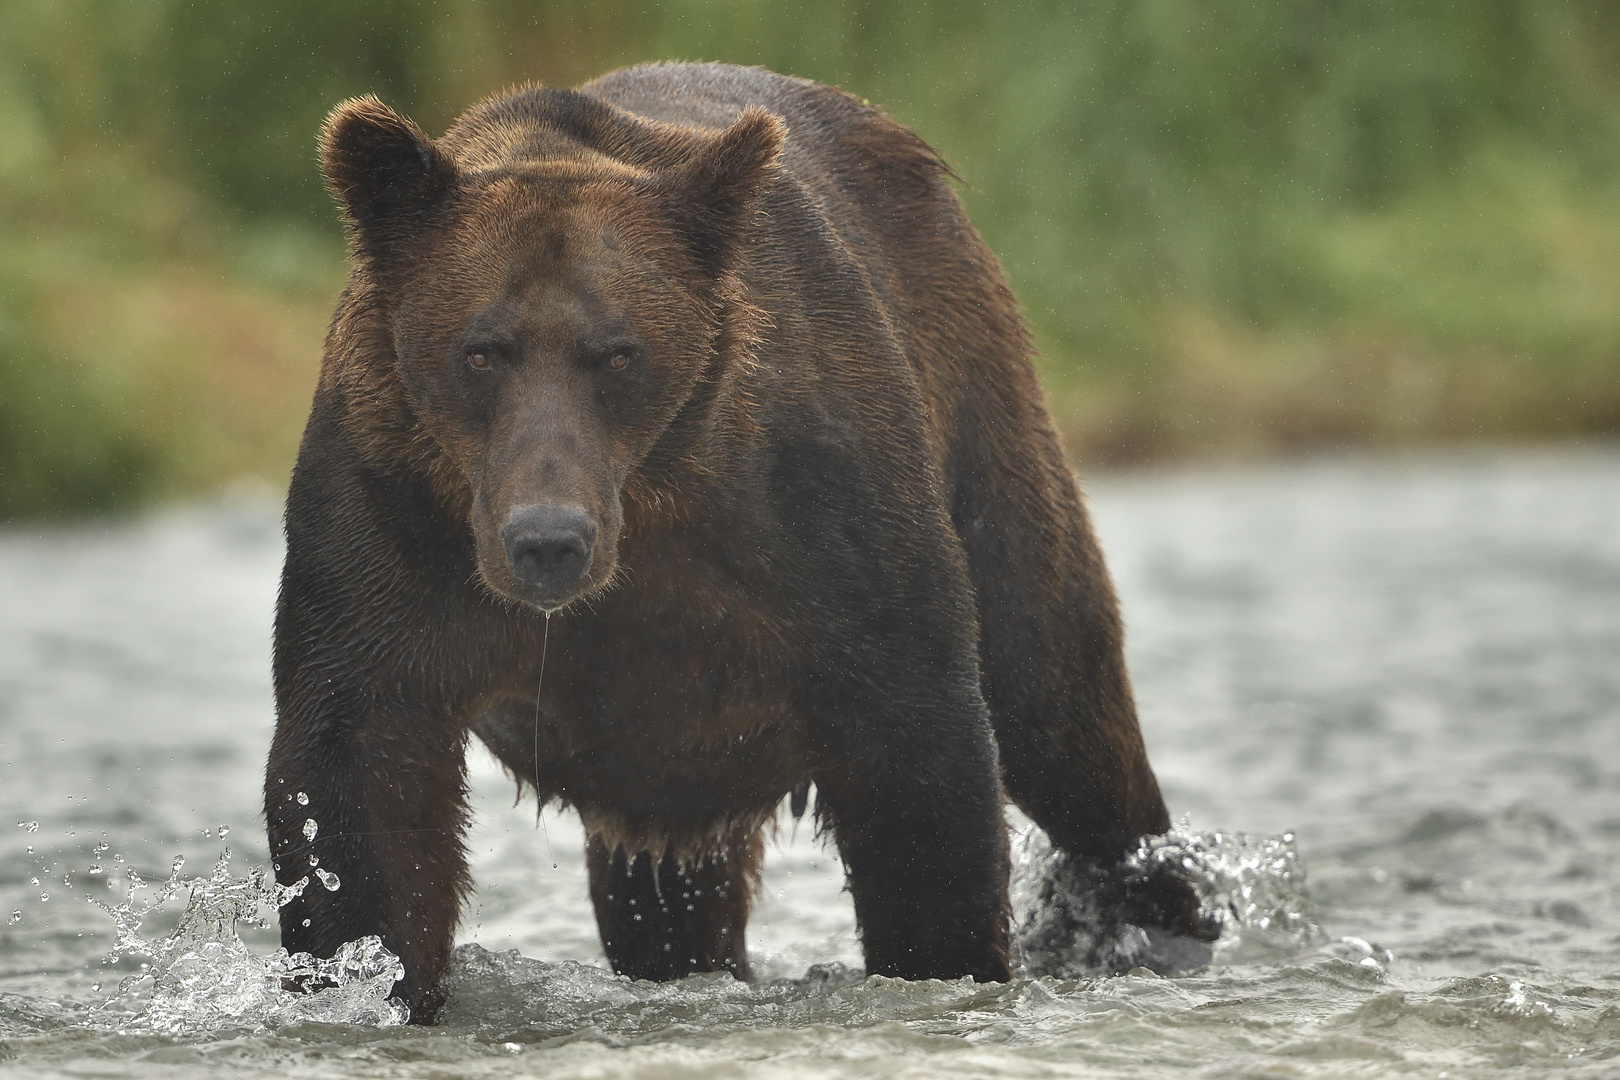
column 1238, row 226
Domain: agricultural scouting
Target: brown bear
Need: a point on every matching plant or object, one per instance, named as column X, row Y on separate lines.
column 694, row 388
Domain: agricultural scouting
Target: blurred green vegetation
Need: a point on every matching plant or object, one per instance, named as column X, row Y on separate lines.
column 1238, row 227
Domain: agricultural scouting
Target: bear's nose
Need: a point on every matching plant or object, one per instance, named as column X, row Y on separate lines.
column 549, row 549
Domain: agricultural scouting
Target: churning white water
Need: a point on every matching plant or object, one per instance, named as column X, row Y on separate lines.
column 1385, row 693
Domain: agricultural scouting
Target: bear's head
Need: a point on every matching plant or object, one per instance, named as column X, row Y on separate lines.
column 557, row 290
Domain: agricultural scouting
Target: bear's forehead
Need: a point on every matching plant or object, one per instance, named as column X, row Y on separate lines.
column 546, row 221
column 530, row 281
column 536, row 276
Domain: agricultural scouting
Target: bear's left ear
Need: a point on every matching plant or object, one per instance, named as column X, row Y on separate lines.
column 709, row 197
column 386, row 173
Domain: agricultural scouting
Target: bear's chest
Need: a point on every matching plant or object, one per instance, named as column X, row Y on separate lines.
column 675, row 699
column 686, row 633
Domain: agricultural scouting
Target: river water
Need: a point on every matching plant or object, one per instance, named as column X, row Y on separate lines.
column 1383, row 694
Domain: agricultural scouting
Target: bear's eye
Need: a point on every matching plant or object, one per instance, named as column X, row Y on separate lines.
column 618, row 361
column 478, row 359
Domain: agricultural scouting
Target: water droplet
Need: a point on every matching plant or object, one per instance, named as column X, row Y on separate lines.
column 30, row 849
column 95, row 988
column 99, row 848
column 310, row 828
column 306, row 922
column 303, row 799
column 16, row 917
column 313, row 861
column 224, row 831
column 33, row 881
column 179, row 861
column 329, row 879
column 44, row 897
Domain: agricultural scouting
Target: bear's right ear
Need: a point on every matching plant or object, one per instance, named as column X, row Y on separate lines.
column 385, row 172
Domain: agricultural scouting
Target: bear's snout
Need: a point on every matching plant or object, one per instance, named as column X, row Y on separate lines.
column 549, row 549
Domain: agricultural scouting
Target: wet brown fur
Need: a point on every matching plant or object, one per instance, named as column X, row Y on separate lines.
column 841, row 542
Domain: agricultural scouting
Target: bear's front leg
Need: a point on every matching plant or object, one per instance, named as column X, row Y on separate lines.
column 910, row 783
column 917, row 816
column 371, row 812
column 906, row 767
column 382, row 648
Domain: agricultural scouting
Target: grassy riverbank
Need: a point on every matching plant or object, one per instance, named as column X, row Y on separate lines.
column 1239, row 229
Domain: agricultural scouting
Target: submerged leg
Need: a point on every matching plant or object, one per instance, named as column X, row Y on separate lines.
column 669, row 920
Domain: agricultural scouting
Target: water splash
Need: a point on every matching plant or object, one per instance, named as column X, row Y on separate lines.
column 203, row 977
column 1251, row 887
column 1254, row 887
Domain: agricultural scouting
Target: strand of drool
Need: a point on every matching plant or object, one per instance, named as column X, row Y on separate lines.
column 539, row 807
